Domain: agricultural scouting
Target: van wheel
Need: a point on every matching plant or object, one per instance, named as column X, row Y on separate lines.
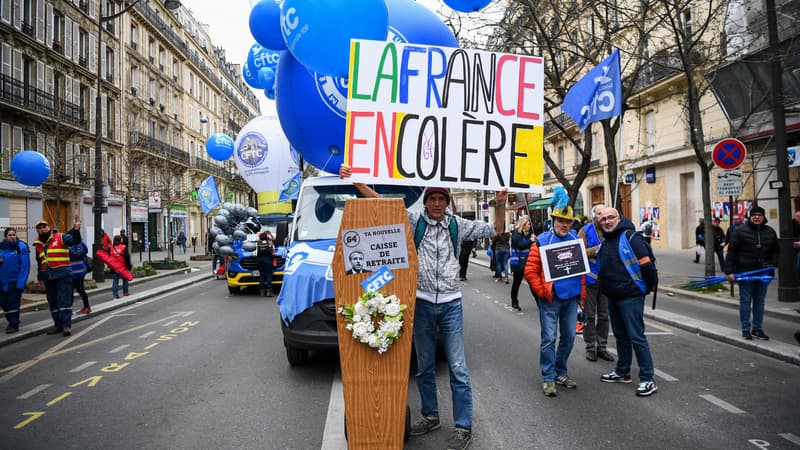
column 233, row 290
column 296, row 356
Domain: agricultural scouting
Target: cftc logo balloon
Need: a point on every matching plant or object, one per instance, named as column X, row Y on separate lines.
column 263, row 154
column 30, row 168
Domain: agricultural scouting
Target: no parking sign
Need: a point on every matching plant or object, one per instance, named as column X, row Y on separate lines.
column 729, row 153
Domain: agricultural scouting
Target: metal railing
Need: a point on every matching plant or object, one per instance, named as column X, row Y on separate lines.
column 160, row 148
column 21, row 94
column 563, row 119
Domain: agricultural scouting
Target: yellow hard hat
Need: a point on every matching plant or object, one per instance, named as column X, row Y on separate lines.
column 563, row 213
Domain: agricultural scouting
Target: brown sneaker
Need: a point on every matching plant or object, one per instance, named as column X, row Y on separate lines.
column 54, row 330
column 67, row 331
column 10, row 329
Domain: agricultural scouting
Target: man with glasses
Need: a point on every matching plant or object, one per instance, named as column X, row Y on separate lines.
column 626, row 274
column 752, row 246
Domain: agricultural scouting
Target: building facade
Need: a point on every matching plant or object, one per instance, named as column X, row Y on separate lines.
column 164, row 90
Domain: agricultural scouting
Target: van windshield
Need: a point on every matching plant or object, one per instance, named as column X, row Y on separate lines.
column 320, row 212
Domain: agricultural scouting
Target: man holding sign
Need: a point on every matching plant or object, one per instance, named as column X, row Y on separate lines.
column 558, row 289
column 438, row 308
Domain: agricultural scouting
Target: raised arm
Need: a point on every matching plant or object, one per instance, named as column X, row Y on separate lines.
column 366, row 191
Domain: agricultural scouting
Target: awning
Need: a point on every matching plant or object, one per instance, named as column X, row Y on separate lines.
column 542, row 203
column 517, row 205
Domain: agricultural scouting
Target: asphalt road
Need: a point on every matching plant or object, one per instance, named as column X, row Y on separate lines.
column 198, row 369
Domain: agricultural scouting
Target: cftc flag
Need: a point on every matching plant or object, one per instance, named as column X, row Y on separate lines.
column 208, row 195
column 596, row 96
column 290, row 188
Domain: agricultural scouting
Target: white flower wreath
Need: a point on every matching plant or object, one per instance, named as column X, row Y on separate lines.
column 361, row 317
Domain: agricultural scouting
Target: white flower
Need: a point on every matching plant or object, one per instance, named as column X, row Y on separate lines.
column 362, row 310
column 361, row 329
column 392, row 309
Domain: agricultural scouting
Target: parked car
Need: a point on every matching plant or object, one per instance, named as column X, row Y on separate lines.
column 242, row 272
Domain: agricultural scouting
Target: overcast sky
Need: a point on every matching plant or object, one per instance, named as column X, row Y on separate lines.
column 229, row 29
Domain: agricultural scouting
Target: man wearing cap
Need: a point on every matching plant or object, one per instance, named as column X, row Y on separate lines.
column 753, row 246
column 558, row 304
column 52, row 256
column 439, row 309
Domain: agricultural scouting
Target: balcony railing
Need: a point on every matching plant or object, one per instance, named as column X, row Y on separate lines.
column 660, row 68
column 39, row 101
column 160, row 148
column 208, row 167
column 563, row 119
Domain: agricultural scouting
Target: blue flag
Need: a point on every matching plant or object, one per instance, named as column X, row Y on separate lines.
column 596, row 96
column 290, row 189
column 208, row 195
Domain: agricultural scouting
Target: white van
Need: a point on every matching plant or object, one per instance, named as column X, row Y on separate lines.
column 308, row 309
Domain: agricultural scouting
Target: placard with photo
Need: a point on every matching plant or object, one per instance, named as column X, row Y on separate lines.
column 564, row 260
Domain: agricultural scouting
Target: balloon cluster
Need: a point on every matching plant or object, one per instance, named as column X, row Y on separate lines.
column 232, row 224
column 311, row 77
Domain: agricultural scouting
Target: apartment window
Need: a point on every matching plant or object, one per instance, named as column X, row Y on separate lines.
column 28, row 14
column 595, row 147
column 560, row 156
column 686, row 16
column 175, row 70
column 650, row 130
column 134, row 35
column 58, row 30
column 109, row 63
column 161, row 57
column 578, row 157
column 151, row 49
column 110, row 116
column 83, row 47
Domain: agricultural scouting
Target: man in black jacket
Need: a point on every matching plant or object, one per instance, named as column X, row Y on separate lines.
column 626, row 274
column 752, row 246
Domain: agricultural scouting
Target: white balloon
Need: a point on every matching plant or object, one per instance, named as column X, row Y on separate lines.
column 263, row 154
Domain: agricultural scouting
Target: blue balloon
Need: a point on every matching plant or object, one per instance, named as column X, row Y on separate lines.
column 219, row 146
column 260, row 57
column 30, row 168
column 270, row 93
column 266, row 78
column 318, row 32
column 467, row 6
column 265, row 24
column 312, row 107
column 412, row 23
column 250, row 77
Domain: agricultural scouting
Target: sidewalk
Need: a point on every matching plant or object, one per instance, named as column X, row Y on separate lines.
column 674, row 268
column 101, row 299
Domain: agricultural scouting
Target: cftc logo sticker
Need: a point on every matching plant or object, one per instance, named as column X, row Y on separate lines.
column 253, row 150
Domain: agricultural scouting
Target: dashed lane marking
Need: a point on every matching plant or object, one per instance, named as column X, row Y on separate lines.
column 660, row 373
column 33, row 391
column 721, row 403
column 170, row 323
column 83, row 366
column 120, row 348
column 791, row 438
column 658, row 333
column 147, row 335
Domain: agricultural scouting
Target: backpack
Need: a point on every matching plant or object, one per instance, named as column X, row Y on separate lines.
column 422, row 225
column 630, row 233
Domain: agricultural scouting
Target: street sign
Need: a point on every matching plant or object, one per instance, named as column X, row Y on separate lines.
column 729, row 153
column 729, row 183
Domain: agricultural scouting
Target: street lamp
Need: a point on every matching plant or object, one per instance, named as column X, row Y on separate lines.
column 98, row 209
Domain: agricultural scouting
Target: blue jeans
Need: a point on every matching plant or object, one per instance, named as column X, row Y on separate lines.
column 721, row 258
column 755, row 292
column 627, row 321
column 115, row 284
column 10, row 301
column 449, row 318
column 559, row 316
column 265, row 269
column 59, row 298
column 501, row 259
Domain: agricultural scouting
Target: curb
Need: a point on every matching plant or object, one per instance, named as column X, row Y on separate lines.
column 789, row 314
column 105, row 289
column 42, row 326
column 777, row 350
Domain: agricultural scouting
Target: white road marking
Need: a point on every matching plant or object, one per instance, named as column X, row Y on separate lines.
column 147, row 335
column 661, row 374
column 83, row 366
column 119, row 349
column 658, row 333
column 170, row 323
column 722, row 404
column 665, row 376
column 791, row 438
column 333, row 434
column 34, row 391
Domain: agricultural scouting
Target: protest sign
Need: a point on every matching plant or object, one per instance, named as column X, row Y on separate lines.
column 423, row 115
column 564, row 260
